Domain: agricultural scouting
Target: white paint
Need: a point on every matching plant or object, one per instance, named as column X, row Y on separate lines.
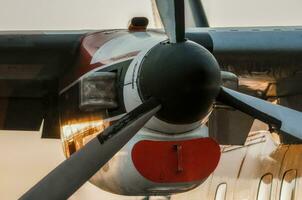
column 92, row 71
column 131, row 96
column 119, row 46
column 161, row 126
column 123, row 45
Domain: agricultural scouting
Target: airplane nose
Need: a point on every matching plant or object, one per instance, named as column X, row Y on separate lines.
column 184, row 77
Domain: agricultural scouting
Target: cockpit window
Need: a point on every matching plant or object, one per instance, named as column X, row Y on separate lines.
column 265, row 187
column 221, row 192
column 288, row 185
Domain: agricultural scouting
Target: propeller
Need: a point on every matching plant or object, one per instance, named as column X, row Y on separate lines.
column 188, row 63
column 192, row 83
column 286, row 120
column 198, row 13
column 172, row 14
column 66, row 178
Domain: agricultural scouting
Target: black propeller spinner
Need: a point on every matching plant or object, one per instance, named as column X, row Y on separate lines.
column 181, row 74
column 185, row 78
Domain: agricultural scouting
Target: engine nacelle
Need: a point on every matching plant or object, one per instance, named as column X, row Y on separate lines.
column 155, row 164
column 162, row 158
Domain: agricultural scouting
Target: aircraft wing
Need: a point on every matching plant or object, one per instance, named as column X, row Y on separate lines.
column 258, row 55
column 268, row 63
column 31, row 64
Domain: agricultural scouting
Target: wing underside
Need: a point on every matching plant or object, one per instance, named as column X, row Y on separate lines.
column 267, row 61
column 31, row 64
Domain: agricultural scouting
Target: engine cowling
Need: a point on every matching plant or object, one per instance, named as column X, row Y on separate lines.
column 153, row 164
column 164, row 157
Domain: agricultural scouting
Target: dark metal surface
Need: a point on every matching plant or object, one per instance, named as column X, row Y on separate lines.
column 36, row 55
column 75, row 171
column 284, row 120
column 184, row 77
column 198, row 12
column 229, row 126
column 172, row 14
column 267, row 52
column 30, row 65
column 230, row 99
column 267, row 60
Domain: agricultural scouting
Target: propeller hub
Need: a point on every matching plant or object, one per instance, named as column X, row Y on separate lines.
column 184, row 77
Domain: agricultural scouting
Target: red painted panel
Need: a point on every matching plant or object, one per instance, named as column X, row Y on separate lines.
column 176, row 161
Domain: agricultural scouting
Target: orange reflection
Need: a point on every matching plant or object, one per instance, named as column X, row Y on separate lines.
column 76, row 135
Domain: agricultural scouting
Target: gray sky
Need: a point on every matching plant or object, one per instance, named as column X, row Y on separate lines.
column 70, row 14
column 253, row 12
column 98, row 14
column 26, row 158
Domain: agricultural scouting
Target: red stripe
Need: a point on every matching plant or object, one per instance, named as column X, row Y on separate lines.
column 88, row 47
column 161, row 162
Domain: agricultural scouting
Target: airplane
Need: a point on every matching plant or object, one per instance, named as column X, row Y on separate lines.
column 144, row 112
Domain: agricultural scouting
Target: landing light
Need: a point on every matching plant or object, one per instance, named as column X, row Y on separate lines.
column 98, row 91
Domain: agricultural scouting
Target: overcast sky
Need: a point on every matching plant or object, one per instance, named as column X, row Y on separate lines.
column 98, row 14
column 253, row 12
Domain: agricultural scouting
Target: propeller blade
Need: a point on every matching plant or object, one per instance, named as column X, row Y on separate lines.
column 198, row 13
column 66, row 178
column 172, row 14
column 284, row 119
